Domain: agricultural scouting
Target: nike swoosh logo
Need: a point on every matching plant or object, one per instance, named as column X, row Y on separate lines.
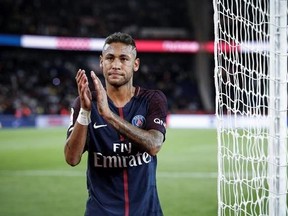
column 95, row 126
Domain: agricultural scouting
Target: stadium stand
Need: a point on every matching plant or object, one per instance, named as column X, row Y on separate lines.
column 97, row 18
column 42, row 81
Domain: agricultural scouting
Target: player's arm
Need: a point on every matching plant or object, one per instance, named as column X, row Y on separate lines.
column 76, row 140
column 75, row 144
column 150, row 140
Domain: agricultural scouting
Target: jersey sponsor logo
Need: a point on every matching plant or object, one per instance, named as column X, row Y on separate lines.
column 138, row 121
column 160, row 122
column 122, row 147
column 122, row 157
column 120, row 161
column 95, row 126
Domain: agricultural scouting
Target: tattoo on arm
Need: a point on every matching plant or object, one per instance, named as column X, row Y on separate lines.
column 150, row 140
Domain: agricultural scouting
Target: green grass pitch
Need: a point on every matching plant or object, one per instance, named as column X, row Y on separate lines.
column 35, row 180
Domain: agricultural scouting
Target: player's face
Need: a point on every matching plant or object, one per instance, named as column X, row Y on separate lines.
column 119, row 62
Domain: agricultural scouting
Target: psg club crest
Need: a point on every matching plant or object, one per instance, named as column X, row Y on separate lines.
column 138, row 121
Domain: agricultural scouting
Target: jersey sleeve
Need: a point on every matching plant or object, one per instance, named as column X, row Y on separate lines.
column 73, row 115
column 157, row 112
column 75, row 109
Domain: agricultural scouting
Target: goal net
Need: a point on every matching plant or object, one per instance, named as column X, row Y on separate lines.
column 251, row 106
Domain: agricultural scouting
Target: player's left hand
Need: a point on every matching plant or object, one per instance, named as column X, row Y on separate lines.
column 102, row 102
column 83, row 89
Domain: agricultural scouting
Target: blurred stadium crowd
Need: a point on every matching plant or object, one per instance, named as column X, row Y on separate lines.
column 42, row 81
column 95, row 18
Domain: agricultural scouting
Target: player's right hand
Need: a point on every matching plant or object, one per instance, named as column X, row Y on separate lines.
column 83, row 89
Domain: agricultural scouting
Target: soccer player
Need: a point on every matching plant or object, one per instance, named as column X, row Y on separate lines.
column 122, row 127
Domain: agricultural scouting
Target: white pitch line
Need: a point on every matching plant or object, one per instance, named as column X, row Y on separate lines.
column 76, row 173
column 187, row 174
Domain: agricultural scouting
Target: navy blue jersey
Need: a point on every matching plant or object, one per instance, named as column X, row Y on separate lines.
column 121, row 177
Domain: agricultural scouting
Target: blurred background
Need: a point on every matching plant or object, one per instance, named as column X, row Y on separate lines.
column 37, row 81
column 42, row 45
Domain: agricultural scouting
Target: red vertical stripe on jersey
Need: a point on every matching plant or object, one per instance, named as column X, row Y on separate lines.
column 125, row 176
column 126, row 195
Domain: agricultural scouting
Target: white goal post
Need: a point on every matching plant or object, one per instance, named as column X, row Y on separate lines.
column 251, row 85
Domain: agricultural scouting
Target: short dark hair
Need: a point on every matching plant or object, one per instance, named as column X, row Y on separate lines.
column 120, row 37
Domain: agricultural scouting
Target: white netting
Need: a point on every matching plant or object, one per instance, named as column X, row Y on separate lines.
column 251, row 106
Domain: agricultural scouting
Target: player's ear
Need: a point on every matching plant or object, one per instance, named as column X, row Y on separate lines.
column 101, row 61
column 136, row 64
